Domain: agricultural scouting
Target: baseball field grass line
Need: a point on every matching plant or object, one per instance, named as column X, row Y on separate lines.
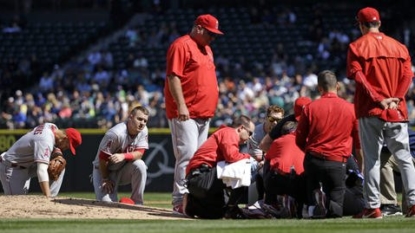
column 343, row 225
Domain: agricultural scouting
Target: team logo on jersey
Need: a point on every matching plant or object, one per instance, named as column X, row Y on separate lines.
column 47, row 152
column 108, row 145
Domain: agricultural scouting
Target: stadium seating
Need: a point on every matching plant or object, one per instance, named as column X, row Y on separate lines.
column 254, row 42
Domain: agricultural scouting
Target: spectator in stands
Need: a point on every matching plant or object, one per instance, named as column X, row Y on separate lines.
column 46, row 82
column 133, row 36
column 94, row 58
column 13, row 28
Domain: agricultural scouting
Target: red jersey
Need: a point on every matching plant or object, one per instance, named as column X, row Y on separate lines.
column 284, row 153
column 328, row 126
column 381, row 67
column 195, row 67
column 222, row 145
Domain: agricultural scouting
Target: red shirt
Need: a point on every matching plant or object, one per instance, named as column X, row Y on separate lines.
column 222, row 145
column 196, row 69
column 284, row 153
column 381, row 67
column 328, row 126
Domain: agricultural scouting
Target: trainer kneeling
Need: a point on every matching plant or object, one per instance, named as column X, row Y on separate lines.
column 218, row 174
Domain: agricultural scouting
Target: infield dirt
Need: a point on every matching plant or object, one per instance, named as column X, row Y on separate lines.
column 31, row 206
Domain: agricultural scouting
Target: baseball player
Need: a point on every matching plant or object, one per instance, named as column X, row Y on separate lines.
column 191, row 96
column 118, row 160
column 30, row 155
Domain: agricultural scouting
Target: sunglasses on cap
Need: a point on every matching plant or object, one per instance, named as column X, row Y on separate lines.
column 273, row 119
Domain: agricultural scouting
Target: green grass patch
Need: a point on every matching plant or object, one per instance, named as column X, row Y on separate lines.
column 346, row 224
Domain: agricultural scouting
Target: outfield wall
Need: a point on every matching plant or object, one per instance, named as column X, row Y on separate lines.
column 159, row 159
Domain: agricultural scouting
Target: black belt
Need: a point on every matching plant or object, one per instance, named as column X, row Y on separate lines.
column 341, row 159
column 14, row 165
column 203, row 168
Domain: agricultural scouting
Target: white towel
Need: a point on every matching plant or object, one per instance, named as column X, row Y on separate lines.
column 235, row 174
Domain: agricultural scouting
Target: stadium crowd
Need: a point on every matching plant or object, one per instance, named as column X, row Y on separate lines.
column 91, row 92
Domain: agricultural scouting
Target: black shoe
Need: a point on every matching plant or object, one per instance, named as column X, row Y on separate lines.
column 320, row 210
column 234, row 212
column 391, row 210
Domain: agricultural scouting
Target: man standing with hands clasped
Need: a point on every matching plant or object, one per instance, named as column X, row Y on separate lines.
column 191, row 96
column 381, row 68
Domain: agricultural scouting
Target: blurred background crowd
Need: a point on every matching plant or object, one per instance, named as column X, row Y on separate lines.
column 84, row 63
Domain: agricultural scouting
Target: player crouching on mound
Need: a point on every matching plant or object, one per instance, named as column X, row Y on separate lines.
column 118, row 160
column 38, row 153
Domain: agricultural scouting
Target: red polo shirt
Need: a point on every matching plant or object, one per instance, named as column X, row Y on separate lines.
column 195, row 67
column 284, row 153
column 381, row 67
column 222, row 145
column 328, row 126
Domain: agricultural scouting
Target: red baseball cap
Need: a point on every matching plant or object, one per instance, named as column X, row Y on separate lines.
column 75, row 139
column 209, row 22
column 367, row 15
column 298, row 106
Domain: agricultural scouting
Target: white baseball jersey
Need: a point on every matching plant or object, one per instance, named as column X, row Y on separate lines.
column 117, row 140
column 33, row 147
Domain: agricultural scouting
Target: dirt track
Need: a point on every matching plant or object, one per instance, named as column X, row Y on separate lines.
column 30, row 206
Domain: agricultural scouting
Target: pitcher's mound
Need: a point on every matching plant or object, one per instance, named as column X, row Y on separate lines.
column 33, row 206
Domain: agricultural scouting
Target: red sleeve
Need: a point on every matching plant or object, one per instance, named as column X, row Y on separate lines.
column 360, row 78
column 141, row 150
column 103, row 155
column 272, row 152
column 353, row 64
column 176, row 59
column 406, row 80
column 229, row 148
column 302, row 130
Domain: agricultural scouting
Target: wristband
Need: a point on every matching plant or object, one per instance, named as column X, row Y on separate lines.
column 128, row 156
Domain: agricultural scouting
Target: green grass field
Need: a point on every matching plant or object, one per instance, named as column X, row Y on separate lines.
column 347, row 224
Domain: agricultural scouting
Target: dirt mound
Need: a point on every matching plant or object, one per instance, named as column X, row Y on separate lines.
column 31, row 206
